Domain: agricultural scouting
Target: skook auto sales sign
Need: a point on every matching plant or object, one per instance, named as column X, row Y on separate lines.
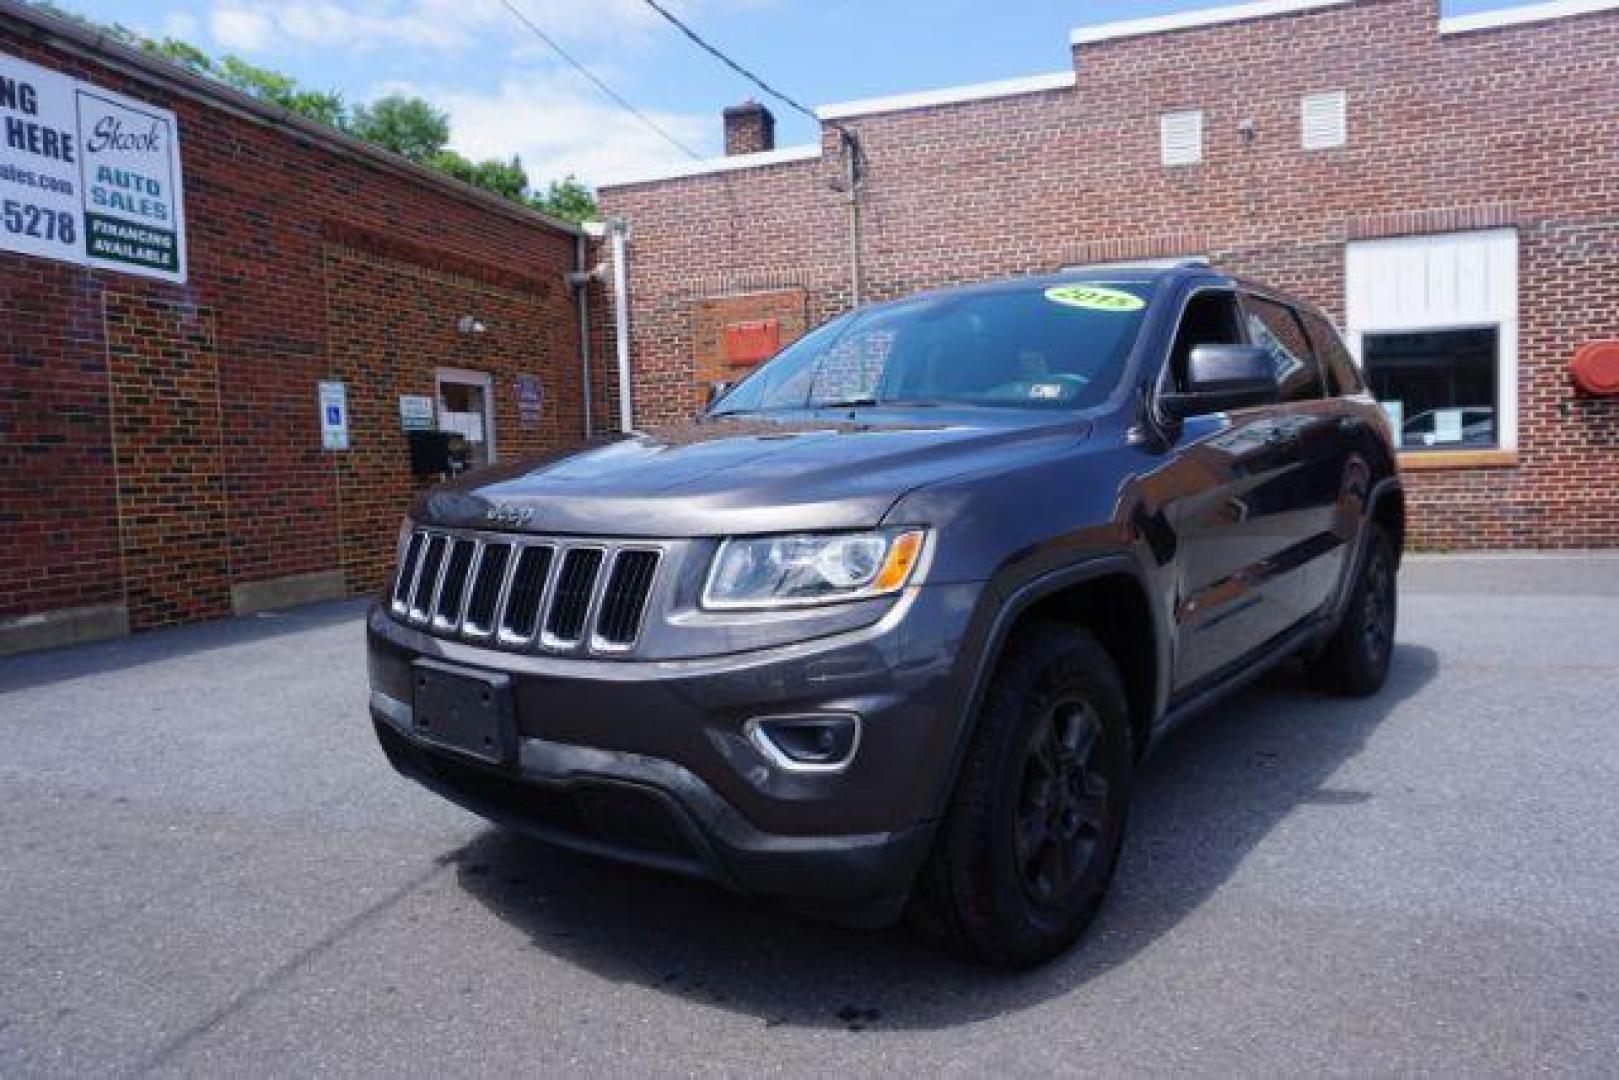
column 88, row 176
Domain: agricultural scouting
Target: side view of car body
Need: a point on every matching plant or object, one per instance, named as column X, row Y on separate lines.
column 887, row 630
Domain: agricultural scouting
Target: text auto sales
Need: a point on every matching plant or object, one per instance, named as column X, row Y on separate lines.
column 123, row 190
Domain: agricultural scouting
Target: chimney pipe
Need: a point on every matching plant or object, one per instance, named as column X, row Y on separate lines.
column 750, row 128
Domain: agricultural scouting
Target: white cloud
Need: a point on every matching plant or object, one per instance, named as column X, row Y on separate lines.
column 256, row 26
column 240, row 29
column 558, row 127
column 180, row 24
column 437, row 25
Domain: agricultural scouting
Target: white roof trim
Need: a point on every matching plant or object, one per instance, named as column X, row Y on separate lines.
column 1187, row 20
column 949, row 95
column 733, row 163
column 1529, row 13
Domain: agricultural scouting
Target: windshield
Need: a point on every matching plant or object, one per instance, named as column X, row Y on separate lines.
column 1061, row 346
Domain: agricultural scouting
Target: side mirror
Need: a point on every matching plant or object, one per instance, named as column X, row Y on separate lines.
column 1224, row 377
column 717, row 390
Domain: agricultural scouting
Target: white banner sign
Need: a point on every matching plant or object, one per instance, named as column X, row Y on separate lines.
column 88, row 176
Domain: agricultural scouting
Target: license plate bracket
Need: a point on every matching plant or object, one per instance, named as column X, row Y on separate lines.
column 466, row 711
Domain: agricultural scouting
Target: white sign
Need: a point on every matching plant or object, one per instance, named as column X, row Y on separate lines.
column 416, row 412
column 1447, row 426
column 88, row 176
column 468, row 425
column 334, row 416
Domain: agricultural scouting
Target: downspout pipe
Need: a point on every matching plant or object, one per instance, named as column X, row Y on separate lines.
column 580, row 279
column 619, row 230
column 851, row 153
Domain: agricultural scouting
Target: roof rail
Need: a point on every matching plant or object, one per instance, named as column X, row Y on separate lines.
column 1182, row 262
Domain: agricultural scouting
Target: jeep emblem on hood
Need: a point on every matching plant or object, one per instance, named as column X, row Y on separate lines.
column 506, row 514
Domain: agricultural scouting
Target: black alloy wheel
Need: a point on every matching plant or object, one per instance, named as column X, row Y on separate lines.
column 1062, row 804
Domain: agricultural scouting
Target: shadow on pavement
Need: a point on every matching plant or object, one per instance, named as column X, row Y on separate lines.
column 98, row 658
column 1210, row 794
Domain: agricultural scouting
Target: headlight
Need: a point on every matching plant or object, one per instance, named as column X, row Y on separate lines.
column 797, row 571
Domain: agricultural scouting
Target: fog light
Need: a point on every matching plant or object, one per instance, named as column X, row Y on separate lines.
column 817, row 742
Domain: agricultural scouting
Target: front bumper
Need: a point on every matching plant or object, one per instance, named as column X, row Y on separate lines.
column 649, row 761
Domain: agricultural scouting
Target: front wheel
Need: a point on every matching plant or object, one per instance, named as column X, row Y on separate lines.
column 1029, row 843
column 1355, row 660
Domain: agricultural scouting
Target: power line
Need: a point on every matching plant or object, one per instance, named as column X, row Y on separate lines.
column 713, row 51
column 603, row 87
column 854, row 153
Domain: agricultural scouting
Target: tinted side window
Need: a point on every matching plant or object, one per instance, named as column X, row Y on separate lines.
column 1343, row 375
column 1277, row 328
column 1211, row 318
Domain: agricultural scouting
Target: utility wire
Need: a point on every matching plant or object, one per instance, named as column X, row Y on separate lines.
column 603, row 87
column 697, row 40
column 855, row 155
column 714, row 51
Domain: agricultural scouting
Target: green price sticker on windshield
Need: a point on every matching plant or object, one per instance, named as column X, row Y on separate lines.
column 1095, row 298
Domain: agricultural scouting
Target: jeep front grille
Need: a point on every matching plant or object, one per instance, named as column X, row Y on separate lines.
column 521, row 593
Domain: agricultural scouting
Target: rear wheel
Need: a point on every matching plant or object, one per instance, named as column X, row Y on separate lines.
column 1355, row 660
column 1029, row 843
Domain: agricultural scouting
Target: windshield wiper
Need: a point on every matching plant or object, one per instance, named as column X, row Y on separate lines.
column 871, row 403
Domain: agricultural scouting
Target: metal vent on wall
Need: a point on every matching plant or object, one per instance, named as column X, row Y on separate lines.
column 1181, row 137
column 1324, row 120
column 549, row 595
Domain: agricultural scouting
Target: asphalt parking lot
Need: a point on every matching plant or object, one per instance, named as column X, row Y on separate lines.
column 209, row 868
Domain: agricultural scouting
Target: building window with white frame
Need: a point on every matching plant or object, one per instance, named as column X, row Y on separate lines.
column 1440, row 387
column 1324, row 120
column 1180, row 137
column 1434, row 322
column 466, row 410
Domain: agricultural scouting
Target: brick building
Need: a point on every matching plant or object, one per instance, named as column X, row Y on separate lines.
column 162, row 451
column 1448, row 188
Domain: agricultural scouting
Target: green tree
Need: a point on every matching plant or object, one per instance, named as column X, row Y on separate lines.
column 324, row 106
column 408, row 126
column 504, row 178
column 567, row 199
column 182, row 53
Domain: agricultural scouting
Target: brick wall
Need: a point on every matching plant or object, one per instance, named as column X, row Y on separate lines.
column 188, row 413
column 779, row 310
column 389, row 334
column 750, row 128
column 174, row 521
column 1510, row 126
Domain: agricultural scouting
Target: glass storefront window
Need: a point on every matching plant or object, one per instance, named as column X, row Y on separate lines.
column 1439, row 387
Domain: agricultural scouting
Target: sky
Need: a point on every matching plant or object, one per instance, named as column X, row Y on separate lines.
column 507, row 93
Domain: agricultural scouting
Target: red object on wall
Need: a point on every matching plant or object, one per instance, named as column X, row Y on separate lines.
column 751, row 342
column 1595, row 368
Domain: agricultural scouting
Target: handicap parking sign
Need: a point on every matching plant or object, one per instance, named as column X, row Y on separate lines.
column 334, row 416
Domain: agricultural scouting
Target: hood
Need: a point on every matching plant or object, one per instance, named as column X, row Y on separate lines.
column 746, row 475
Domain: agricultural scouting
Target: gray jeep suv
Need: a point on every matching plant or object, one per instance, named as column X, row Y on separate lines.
column 888, row 628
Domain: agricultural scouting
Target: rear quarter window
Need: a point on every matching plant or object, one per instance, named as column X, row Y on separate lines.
column 1276, row 327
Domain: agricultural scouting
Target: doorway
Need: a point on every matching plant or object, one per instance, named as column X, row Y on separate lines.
column 466, row 408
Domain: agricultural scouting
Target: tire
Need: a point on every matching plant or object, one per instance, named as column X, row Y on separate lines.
column 1029, row 842
column 1355, row 660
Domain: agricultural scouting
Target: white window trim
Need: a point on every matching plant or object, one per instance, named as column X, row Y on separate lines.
column 1165, row 120
column 1360, row 323
column 1336, row 99
column 466, row 376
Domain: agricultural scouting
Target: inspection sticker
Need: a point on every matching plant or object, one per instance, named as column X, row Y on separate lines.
column 1095, row 298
